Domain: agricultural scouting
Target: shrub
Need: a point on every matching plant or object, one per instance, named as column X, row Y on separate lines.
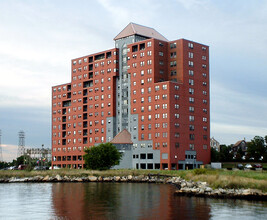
column 199, row 171
column 102, row 157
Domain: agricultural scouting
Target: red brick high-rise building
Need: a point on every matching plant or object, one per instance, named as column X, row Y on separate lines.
column 156, row 90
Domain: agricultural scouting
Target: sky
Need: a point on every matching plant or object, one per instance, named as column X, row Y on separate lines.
column 38, row 39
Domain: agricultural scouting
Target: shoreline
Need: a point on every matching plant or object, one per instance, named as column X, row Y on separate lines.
column 183, row 187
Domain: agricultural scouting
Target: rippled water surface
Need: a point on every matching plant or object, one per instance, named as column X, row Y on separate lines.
column 116, row 201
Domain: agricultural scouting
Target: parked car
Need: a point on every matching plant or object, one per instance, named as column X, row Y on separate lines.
column 240, row 166
column 22, row 167
column 54, row 168
column 248, row 166
column 257, row 165
column 41, row 168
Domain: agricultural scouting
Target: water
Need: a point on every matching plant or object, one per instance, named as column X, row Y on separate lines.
column 116, row 201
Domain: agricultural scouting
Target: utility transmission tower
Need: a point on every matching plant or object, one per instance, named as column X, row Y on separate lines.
column 1, row 155
column 21, row 147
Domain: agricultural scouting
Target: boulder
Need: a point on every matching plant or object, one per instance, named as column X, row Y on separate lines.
column 58, row 177
column 46, row 178
column 92, row 178
column 117, row 178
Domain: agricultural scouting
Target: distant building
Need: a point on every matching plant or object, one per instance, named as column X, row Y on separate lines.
column 39, row 153
column 240, row 144
column 158, row 90
column 215, row 144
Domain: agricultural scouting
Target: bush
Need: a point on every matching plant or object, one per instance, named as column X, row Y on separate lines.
column 102, row 157
column 199, row 171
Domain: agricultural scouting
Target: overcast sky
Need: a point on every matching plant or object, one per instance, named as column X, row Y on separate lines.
column 38, row 39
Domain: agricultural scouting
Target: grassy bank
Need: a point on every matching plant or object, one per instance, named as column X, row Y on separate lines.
column 215, row 178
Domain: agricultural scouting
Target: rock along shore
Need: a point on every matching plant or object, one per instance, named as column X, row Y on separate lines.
column 184, row 188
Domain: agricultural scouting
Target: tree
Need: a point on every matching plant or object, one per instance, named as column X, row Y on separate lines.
column 225, row 153
column 256, row 148
column 102, row 157
column 239, row 154
column 214, row 155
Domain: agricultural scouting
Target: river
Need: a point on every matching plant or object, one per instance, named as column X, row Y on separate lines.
column 116, row 201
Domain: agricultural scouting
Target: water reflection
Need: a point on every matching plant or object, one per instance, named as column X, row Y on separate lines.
column 124, row 201
column 116, row 201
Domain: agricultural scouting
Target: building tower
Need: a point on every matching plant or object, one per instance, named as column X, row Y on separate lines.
column 21, row 147
column 1, row 155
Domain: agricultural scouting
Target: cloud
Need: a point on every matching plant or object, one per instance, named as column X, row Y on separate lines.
column 39, row 39
column 9, row 152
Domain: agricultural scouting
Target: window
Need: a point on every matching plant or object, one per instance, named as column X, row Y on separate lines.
column 142, row 108
column 142, row 118
column 205, row 119
column 190, row 55
column 142, row 99
column 142, row 136
column 191, row 109
column 190, row 45
column 191, row 82
column 164, row 87
column 191, row 91
column 173, row 55
column 191, row 127
column 173, row 73
column 191, row 118
column 191, row 100
column 164, row 134
column 173, row 63
column 191, row 63
column 149, row 44
column 149, row 156
column 173, row 45
column 191, row 136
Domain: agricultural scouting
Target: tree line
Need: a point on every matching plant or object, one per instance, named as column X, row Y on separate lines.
column 256, row 151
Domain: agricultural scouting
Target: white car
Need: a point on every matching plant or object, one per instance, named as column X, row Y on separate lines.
column 54, row 168
column 248, row 166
